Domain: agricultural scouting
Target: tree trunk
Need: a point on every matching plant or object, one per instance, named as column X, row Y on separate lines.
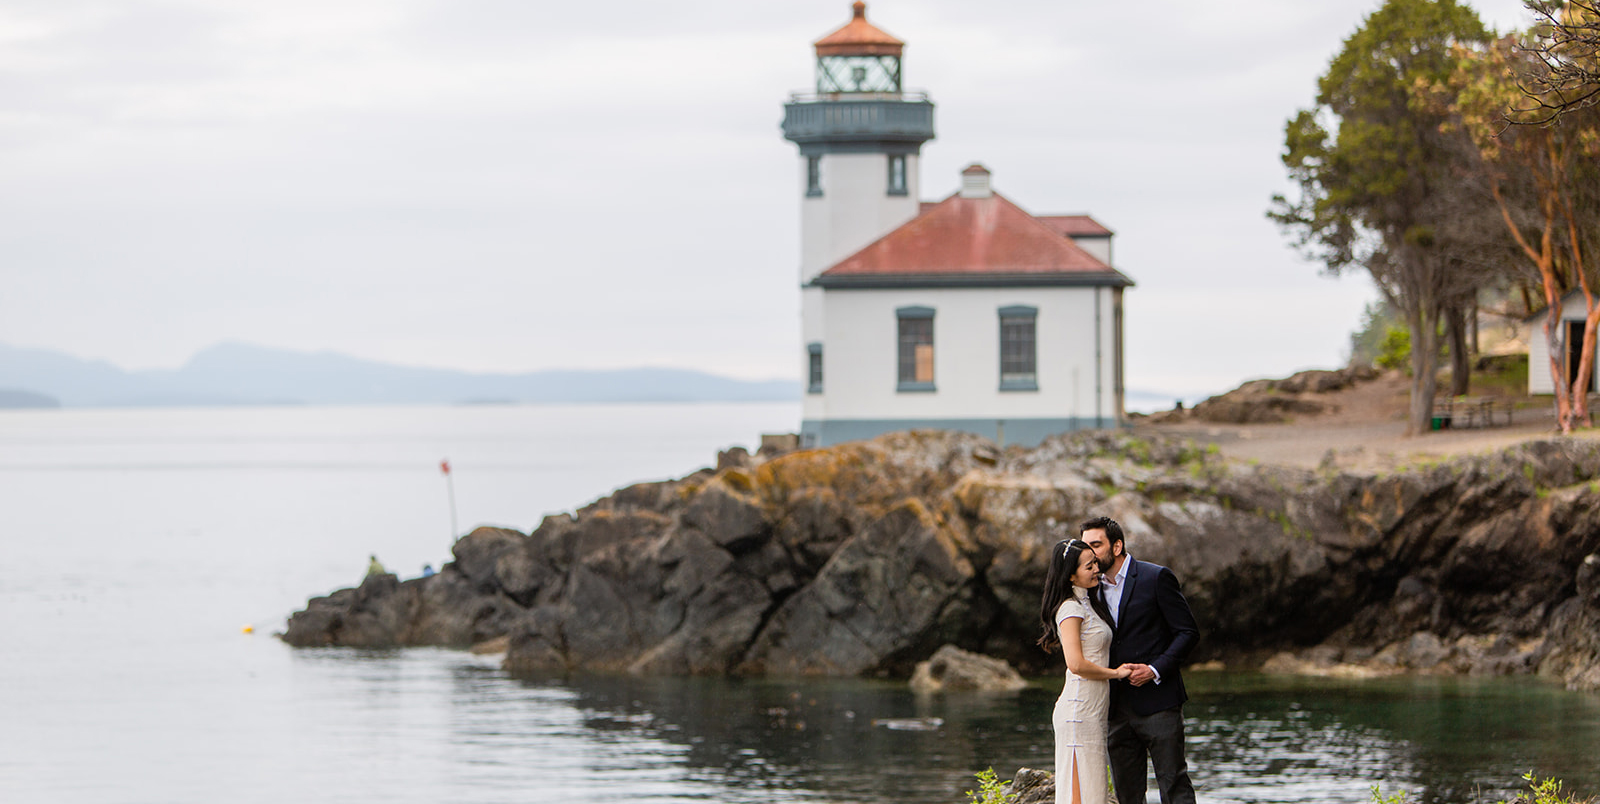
column 1424, row 368
column 1472, row 333
column 1460, row 358
column 1553, row 339
column 1544, row 259
column 1580, row 383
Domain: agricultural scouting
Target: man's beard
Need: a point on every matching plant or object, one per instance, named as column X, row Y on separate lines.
column 1105, row 563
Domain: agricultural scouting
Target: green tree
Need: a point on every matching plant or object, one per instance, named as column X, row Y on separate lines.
column 1546, row 187
column 1367, row 344
column 1376, row 171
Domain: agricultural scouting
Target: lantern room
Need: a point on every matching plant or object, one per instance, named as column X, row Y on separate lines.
column 858, row 58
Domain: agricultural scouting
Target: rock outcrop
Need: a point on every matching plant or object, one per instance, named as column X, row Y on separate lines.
column 1031, row 786
column 864, row 558
column 955, row 670
column 1273, row 401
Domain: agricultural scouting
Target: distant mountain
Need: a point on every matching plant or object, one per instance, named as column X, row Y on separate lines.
column 240, row 374
column 11, row 398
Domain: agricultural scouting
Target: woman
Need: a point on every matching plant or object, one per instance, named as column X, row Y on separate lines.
column 1079, row 624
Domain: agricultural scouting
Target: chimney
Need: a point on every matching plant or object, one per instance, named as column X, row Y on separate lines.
column 975, row 182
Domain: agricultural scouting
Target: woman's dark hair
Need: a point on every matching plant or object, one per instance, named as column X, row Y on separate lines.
column 1064, row 559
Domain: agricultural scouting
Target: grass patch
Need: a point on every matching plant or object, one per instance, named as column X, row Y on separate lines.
column 1505, row 375
column 1540, row 791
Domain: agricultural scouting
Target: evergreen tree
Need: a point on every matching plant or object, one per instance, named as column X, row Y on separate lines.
column 1378, row 176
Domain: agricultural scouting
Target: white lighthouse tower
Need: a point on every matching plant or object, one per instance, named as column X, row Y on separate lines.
column 860, row 138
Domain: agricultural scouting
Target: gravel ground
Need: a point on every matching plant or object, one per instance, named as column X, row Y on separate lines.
column 1365, row 434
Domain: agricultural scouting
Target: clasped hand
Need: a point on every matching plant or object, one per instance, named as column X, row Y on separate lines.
column 1137, row 674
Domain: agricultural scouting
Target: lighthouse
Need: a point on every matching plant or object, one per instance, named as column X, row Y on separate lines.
column 860, row 136
column 968, row 313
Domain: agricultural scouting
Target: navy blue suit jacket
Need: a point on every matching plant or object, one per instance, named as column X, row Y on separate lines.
column 1154, row 627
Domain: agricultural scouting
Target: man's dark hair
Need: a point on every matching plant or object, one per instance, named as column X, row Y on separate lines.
column 1105, row 523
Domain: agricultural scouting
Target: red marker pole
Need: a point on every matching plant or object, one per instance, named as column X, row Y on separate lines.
column 450, row 485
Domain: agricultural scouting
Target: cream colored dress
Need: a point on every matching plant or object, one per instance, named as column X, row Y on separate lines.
column 1080, row 716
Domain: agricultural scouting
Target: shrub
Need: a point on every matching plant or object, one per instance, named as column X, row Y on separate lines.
column 990, row 789
column 1395, row 351
column 1545, row 791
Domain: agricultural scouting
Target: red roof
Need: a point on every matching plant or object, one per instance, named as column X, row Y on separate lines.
column 859, row 38
column 974, row 237
column 1075, row 225
column 1069, row 225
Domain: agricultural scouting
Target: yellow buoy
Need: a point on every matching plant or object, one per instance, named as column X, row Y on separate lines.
column 249, row 629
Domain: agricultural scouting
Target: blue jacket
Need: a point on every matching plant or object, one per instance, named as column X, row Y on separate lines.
column 1154, row 627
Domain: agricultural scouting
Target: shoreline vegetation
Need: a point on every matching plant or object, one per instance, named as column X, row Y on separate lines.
column 864, row 558
column 1031, row 786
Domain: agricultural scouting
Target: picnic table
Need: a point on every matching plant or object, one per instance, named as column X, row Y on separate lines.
column 1458, row 412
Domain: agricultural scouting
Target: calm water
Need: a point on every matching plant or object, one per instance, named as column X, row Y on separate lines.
column 136, row 545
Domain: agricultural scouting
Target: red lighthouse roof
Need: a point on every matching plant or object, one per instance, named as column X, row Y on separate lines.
column 859, row 38
column 972, row 241
column 1075, row 225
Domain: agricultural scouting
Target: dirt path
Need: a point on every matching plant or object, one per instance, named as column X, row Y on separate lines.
column 1367, row 433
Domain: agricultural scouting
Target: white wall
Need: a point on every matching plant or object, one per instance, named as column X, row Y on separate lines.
column 853, row 210
column 860, row 355
column 1100, row 247
column 812, row 330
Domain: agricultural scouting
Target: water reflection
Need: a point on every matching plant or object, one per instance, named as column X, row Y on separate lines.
column 1449, row 739
column 786, row 741
column 1251, row 738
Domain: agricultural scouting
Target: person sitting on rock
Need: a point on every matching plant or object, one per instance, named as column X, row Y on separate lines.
column 427, row 570
column 374, row 567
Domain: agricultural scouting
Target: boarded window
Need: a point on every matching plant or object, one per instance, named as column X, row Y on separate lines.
column 916, row 348
column 924, row 362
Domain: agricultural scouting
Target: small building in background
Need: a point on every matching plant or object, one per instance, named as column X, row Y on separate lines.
column 1570, row 329
column 968, row 313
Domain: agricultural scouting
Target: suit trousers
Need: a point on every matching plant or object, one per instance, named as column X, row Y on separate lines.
column 1131, row 737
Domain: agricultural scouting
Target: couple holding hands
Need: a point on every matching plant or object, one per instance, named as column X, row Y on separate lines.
column 1123, row 626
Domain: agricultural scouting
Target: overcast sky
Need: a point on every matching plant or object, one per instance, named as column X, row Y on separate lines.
column 510, row 185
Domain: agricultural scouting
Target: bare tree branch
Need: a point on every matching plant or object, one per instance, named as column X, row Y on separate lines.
column 1566, row 39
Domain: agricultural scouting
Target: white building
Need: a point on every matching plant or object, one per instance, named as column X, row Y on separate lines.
column 1570, row 332
column 967, row 314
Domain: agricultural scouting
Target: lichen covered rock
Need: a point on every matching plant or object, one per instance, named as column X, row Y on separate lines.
column 865, row 558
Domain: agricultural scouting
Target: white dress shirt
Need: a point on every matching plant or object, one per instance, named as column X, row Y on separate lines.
column 1114, row 584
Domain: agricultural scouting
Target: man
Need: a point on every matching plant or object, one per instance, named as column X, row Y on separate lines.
column 1154, row 630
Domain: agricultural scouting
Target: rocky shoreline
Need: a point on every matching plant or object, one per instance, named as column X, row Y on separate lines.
column 865, row 558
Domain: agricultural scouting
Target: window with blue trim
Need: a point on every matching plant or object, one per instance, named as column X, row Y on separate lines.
column 815, row 368
column 915, row 356
column 1019, row 348
column 813, row 175
column 897, row 174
